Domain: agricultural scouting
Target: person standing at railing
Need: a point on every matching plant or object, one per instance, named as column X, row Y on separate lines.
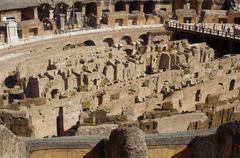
column 228, row 30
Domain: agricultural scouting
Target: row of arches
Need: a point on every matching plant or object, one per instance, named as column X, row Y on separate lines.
column 198, row 93
column 109, row 42
column 148, row 7
column 44, row 10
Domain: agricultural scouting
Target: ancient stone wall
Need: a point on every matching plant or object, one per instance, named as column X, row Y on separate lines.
column 10, row 145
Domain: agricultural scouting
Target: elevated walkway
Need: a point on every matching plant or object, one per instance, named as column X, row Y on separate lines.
column 202, row 30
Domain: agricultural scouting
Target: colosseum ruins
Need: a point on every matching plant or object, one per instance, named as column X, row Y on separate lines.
column 119, row 78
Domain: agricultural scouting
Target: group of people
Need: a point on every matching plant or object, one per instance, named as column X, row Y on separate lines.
column 228, row 28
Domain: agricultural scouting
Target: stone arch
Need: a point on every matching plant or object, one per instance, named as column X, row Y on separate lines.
column 91, row 8
column 232, row 85
column 61, row 8
column 126, row 40
column 198, row 95
column 89, row 43
column 43, row 11
column 55, row 93
column 149, row 7
column 108, row 42
column 164, row 62
column 77, row 6
column 135, row 5
column 143, row 39
column 120, row 6
column 10, row 81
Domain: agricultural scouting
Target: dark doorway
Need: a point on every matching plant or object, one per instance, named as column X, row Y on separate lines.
column 232, row 85
column 89, row 43
column 198, row 96
column 60, row 123
column 143, row 39
column 149, row 7
column 108, row 42
column 126, row 40
column 91, row 8
column 27, row 14
column 43, row 11
column 120, row 6
column 237, row 20
column 134, row 6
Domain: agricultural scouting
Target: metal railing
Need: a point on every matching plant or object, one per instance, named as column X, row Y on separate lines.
column 203, row 30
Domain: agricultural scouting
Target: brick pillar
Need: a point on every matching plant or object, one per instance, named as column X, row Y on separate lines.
column 141, row 7
column 35, row 13
column 127, row 7
column 99, row 13
column 84, row 10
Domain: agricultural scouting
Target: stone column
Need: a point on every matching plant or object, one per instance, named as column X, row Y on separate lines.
column 141, row 7
column 68, row 15
column 127, row 7
column 51, row 14
column 62, row 21
column 84, row 10
column 99, row 12
column 79, row 19
column 12, row 35
column 35, row 10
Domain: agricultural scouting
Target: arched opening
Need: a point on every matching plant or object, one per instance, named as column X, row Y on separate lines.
column 198, row 96
column 11, row 81
column 120, row 6
column 126, row 40
column 91, row 8
column 143, row 39
column 232, row 85
column 149, row 7
column 61, row 8
column 164, row 62
column 77, row 7
column 89, row 43
column 134, row 6
column 43, row 11
column 27, row 13
column 108, row 42
column 55, row 93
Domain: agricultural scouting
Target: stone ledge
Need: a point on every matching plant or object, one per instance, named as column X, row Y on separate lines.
column 88, row 142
